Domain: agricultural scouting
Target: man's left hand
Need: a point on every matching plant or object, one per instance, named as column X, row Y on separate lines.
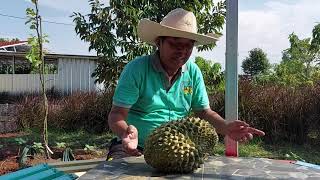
column 241, row 131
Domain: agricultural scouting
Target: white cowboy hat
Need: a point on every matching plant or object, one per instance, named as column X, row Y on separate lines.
column 177, row 23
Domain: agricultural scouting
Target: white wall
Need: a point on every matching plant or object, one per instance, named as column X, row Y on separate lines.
column 74, row 74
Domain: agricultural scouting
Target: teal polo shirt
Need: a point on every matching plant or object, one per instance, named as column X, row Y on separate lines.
column 144, row 89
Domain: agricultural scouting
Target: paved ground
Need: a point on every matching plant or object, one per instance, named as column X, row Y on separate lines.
column 214, row 168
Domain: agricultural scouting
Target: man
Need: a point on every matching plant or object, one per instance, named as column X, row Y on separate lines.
column 164, row 86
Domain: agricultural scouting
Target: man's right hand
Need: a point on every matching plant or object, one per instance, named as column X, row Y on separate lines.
column 130, row 141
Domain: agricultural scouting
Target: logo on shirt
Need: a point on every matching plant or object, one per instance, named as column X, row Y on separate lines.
column 187, row 90
column 186, row 87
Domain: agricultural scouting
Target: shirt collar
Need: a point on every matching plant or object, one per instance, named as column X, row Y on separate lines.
column 156, row 64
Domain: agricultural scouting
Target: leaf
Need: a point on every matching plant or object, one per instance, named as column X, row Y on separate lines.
column 89, row 148
column 296, row 157
column 20, row 141
column 32, row 26
column 61, row 145
column 111, row 29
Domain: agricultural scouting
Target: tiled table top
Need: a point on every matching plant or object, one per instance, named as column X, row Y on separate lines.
column 214, row 168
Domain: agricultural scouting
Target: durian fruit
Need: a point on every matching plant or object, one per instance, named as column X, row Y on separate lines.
column 180, row 146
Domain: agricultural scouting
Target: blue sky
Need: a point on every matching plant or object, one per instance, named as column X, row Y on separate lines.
column 262, row 23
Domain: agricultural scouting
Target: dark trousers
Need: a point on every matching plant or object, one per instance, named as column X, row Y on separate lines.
column 116, row 150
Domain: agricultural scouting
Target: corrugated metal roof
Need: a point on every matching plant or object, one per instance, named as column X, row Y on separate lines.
column 41, row 171
column 51, row 55
column 11, row 43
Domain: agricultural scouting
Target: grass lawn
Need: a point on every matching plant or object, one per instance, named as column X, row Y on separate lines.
column 76, row 139
column 255, row 148
column 284, row 151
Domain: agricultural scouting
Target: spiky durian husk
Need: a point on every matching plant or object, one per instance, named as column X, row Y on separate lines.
column 180, row 146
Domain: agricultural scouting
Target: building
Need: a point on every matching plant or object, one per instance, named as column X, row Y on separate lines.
column 14, row 46
column 65, row 73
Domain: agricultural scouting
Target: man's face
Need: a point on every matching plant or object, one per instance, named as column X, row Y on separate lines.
column 174, row 52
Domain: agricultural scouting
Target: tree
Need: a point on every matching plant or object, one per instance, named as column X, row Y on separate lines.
column 36, row 57
column 212, row 75
column 256, row 63
column 297, row 67
column 112, row 30
column 305, row 50
column 291, row 73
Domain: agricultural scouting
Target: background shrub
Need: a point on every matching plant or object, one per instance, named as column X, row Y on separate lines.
column 86, row 111
column 30, row 113
column 284, row 113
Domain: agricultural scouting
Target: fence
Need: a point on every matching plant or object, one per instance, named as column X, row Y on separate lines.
column 17, row 83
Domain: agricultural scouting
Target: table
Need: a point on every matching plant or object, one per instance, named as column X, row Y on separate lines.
column 218, row 167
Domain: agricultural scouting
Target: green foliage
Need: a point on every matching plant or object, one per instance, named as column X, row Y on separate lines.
column 78, row 139
column 32, row 18
column 293, row 156
column 315, row 42
column 73, row 139
column 315, row 75
column 89, row 148
column 33, row 55
column 287, row 73
column 290, row 73
column 61, row 145
column 212, row 75
column 256, row 63
column 305, row 50
column 112, row 30
column 6, row 68
column 20, row 141
column 38, row 147
column 298, row 65
column 283, row 150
